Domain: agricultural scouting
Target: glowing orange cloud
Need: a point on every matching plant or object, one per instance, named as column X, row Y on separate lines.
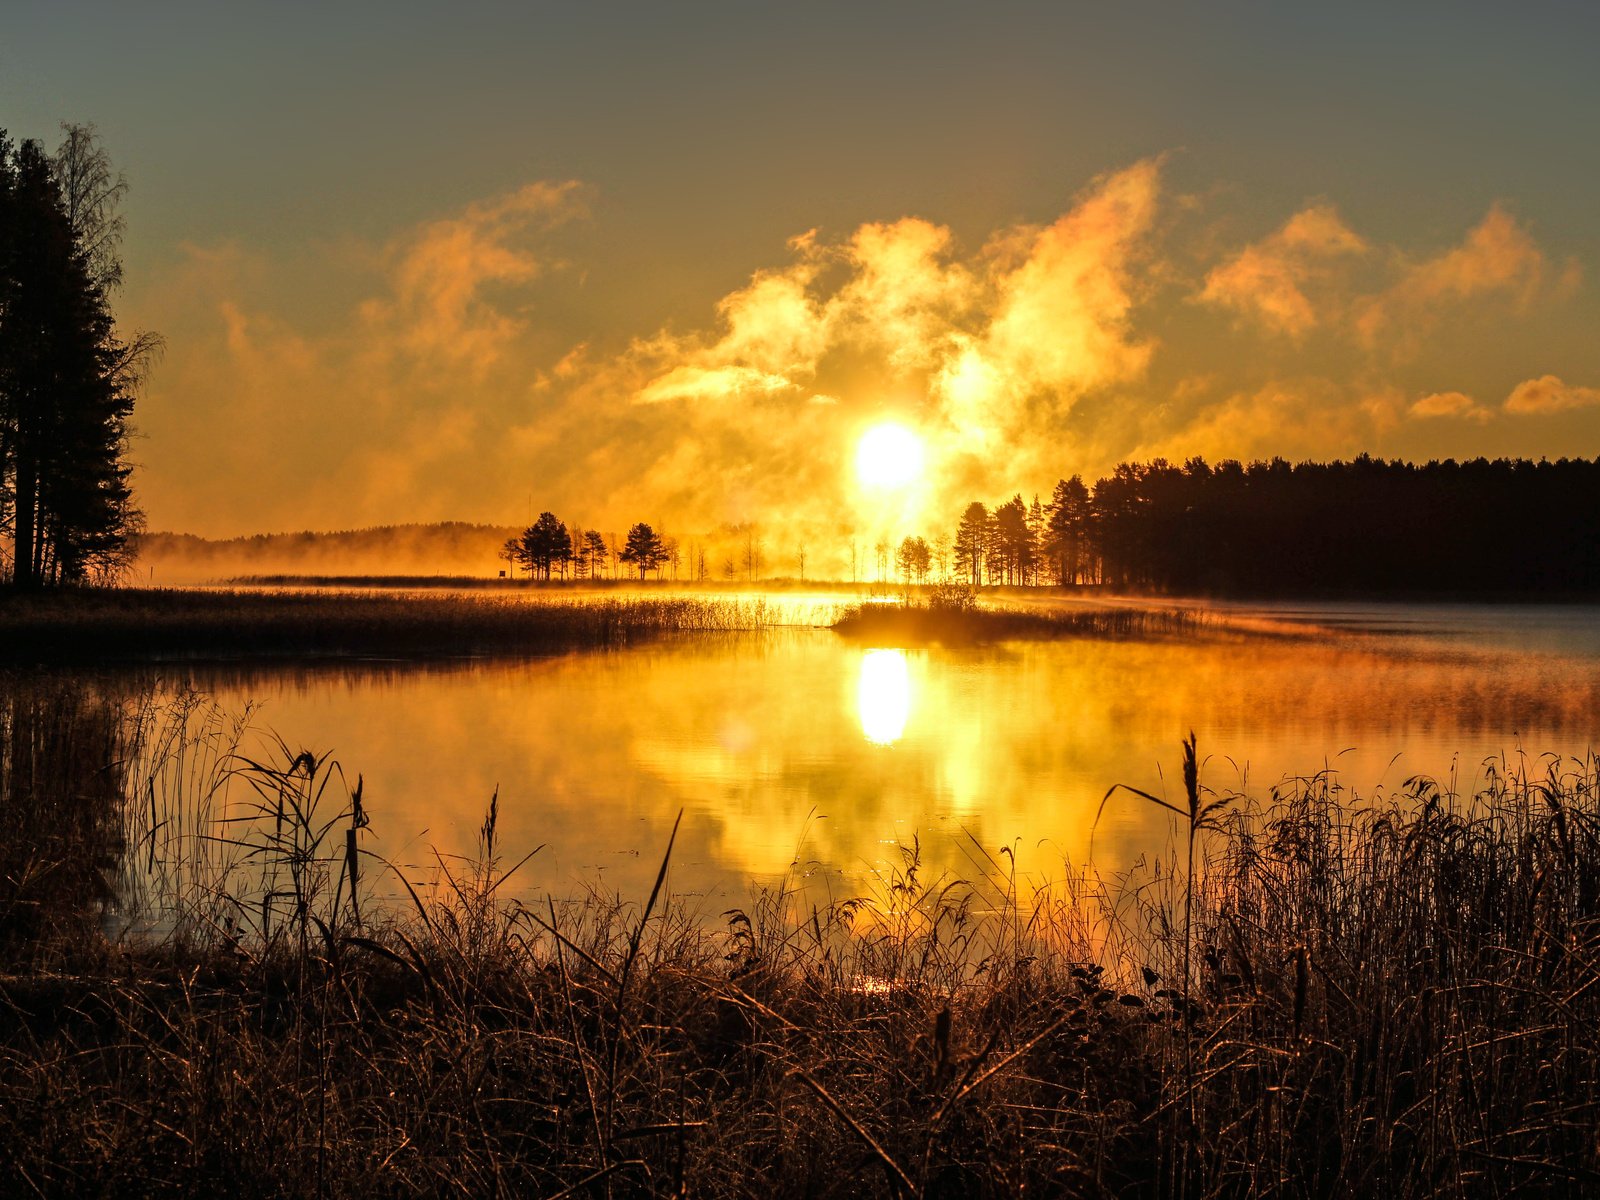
column 1548, row 394
column 1449, row 404
column 1267, row 280
column 1497, row 257
column 458, row 385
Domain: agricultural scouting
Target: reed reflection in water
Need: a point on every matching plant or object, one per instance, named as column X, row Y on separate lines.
column 798, row 747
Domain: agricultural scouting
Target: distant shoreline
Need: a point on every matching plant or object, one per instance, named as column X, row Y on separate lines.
column 272, row 618
column 1010, row 592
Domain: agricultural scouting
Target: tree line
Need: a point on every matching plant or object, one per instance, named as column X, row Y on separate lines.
column 550, row 549
column 1366, row 525
column 67, row 377
column 553, row 549
column 1268, row 527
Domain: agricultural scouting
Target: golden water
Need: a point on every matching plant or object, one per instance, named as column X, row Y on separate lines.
column 796, row 750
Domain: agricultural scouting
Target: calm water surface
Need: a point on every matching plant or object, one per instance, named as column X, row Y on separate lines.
column 798, row 751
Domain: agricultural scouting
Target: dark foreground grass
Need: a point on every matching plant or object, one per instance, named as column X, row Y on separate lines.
column 101, row 625
column 1348, row 1001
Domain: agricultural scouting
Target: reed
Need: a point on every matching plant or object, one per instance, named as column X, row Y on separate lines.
column 1323, row 997
column 953, row 616
column 110, row 625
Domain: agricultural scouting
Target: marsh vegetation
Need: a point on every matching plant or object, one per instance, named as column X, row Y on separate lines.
column 96, row 626
column 353, row 617
column 952, row 614
column 1396, row 998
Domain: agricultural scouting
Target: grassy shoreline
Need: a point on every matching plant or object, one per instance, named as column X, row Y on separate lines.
column 939, row 621
column 365, row 618
column 1330, row 998
column 1396, row 1000
column 100, row 626
column 130, row 624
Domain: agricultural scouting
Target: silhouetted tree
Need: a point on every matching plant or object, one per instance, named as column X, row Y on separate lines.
column 594, row 550
column 1012, row 541
column 91, row 200
column 1036, row 530
column 575, row 558
column 1366, row 525
column 1117, row 506
column 972, row 542
column 511, row 552
column 545, row 545
column 644, row 550
column 913, row 559
column 753, row 556
column 67, row 380
column 1067, row 530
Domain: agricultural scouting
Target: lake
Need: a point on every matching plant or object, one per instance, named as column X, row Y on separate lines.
column 796, row 753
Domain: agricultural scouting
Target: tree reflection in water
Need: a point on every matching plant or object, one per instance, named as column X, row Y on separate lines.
column 61, row 831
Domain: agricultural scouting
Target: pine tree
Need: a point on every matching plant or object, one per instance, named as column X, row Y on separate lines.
column 594, row 549
column 971, row 542
column 1013, row 540
column 1067, row 530
column 546, row 544
column 66, row 380
column 644, row 550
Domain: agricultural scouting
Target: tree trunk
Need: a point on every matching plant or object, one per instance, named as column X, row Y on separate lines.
column 24, row 565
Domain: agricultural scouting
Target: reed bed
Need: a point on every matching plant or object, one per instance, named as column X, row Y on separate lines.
column 953, row 615
column 1325, row 998
column 97, row 626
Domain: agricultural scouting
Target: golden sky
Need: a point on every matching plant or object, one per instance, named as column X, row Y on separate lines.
column 437, row 268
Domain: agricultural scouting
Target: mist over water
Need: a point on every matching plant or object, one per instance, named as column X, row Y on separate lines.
column 795, row 752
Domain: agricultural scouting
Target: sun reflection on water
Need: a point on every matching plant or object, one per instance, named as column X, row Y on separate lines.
column 883, row 696
column 799, row 750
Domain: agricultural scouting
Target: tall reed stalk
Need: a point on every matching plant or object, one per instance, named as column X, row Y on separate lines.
column 1323, row 998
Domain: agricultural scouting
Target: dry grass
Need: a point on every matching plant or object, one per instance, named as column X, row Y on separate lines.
column 109, row 625
column 952, row 615
column 1388, row 1001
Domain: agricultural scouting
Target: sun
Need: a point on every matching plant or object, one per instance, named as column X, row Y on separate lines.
column 888, row 456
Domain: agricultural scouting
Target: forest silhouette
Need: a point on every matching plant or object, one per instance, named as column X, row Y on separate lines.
column 1364, row 526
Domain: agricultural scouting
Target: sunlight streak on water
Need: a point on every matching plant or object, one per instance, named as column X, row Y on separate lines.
column 795, row 750
column 883, row 696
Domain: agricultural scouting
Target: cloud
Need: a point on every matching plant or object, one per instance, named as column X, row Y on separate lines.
column 713, row 382
column 1548, row 394
column 988, row 349
column 1039, row 312
column 437, row 309
column 1267, row 280
column 1300, row 418
column 279, row 406
column 1497, row 257
column 1448, row 404
column 1062, row 317
column 773, row 332
column 905, row 295
column 459, row 370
